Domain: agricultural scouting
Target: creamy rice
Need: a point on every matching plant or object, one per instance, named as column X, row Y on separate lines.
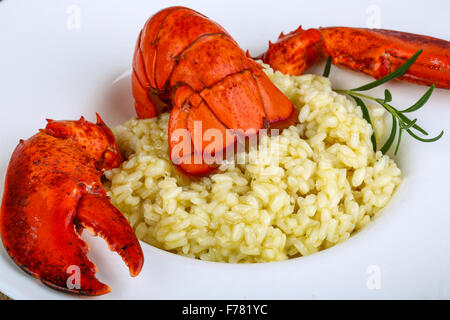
column 323, row 184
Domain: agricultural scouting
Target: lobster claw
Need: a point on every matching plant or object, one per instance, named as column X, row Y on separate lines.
column 52, row 192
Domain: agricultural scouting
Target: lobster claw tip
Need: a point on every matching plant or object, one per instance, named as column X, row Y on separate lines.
column 98, row 215
column 64, row 265
column 99, row 119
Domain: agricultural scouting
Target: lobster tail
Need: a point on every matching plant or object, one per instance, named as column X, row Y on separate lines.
column 214, row 88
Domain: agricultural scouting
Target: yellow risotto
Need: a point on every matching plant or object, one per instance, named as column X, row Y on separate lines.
column 323, row 183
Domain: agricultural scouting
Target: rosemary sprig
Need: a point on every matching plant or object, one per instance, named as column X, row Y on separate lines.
column 366, row 116
column 326, row 71
column 400, row 122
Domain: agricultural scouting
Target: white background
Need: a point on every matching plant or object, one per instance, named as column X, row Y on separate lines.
column 53, row 68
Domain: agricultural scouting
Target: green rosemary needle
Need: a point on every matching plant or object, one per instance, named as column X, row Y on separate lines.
column 400, row 121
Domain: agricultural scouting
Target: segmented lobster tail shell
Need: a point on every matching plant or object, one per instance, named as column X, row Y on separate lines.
column 194, row 66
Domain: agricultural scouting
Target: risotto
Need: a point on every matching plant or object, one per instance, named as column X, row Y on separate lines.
column 323, row 183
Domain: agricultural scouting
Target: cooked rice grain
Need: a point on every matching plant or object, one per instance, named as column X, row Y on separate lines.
column 323, row 184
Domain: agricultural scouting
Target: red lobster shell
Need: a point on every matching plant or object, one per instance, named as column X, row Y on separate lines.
column 187, row 62
column 52, row 192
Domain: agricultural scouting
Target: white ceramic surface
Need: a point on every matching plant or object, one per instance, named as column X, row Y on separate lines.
column 56, row 64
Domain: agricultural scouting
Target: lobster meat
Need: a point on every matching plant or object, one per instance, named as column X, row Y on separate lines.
column 52, row 192
column 375, row 52
column 188, row 63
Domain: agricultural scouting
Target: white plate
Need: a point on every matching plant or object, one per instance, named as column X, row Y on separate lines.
column 53, row 67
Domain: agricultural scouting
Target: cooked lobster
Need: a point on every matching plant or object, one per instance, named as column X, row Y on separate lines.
column 188, row 63
column 52, row 192
column 375, row 52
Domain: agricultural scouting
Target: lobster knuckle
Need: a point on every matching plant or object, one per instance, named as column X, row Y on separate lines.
column 53, row 191
column 294, row 52
column 375, row 52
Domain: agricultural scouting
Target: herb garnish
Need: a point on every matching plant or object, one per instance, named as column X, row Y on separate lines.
column 399, row 119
